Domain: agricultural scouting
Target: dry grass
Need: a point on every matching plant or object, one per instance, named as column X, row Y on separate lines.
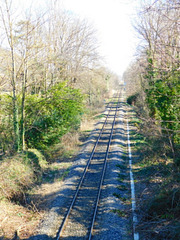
column 15, row 177
column 65, row 150
column 70, row 141
column 17, row 218
column 87, row 125
column 25, row 219
column 17, row 174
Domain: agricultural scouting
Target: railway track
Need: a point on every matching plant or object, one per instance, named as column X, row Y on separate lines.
column 80, row 217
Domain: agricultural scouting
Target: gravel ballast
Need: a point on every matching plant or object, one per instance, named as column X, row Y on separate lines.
column 111, row 222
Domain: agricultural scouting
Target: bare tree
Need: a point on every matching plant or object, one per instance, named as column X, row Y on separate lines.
column 158, row 25
column 28, row 46
column 8, row 24
column 44, row 51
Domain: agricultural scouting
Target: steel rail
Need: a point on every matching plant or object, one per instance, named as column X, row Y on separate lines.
column 59, row 234
column 103, row 173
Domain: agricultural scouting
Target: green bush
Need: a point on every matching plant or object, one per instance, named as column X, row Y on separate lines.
column 36, row 159
column 6, row 123
column 132, row 99
column 165, row 204
column 49, row 117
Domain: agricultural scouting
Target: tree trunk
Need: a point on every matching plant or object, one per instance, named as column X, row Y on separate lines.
column 22, row 122
column 15, row 105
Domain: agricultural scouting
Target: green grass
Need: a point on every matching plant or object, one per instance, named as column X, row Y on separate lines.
column 119, row 212
column 121, row 176
column 56, row 172
column 117, row 195
column 65, row 173
column 99, row 116
column 121, row 166
column 122, row 187
column 123, row 199
column 124, row 156
column 87, row 131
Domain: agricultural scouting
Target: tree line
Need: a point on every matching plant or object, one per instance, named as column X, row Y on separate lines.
column 49, row 68
column 154, row 77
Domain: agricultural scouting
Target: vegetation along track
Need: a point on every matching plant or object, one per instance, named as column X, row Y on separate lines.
column 80, row 217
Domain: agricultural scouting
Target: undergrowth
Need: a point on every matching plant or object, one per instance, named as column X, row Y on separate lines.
column 23, row 177
column 159, row 201
column 19, row 172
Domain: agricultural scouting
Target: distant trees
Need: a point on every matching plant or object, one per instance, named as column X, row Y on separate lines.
column 158, row 26
column 39, row 54
column 132, row 77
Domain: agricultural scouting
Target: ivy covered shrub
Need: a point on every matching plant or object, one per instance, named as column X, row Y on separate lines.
column 50, row 116
column 132, row 99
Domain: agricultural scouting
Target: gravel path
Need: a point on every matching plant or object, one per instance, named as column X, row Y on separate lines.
column 110, row 222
